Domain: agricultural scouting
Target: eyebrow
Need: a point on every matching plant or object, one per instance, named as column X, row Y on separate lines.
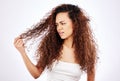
column 60, row 22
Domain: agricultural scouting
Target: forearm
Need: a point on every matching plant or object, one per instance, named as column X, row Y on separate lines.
column 34, row 71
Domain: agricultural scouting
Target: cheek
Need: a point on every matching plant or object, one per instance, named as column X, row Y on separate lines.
column 69, row 30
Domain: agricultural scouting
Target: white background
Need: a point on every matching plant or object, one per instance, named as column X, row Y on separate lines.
column 17, row 15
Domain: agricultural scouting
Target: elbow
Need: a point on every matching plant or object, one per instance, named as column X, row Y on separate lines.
column 36, row 76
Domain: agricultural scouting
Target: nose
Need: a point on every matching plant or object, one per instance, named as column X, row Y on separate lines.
column 59, row 27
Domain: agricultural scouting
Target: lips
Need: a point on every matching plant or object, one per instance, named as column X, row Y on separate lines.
column 61, row 33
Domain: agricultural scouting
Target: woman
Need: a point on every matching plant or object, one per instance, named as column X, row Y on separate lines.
column 66, row 48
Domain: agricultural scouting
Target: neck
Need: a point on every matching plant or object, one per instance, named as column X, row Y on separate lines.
column 68, row 42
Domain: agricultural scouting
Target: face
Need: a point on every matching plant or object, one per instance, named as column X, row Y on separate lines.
column 64, row 25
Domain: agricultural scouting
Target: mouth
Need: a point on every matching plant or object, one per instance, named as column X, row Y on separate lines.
column 61, row 33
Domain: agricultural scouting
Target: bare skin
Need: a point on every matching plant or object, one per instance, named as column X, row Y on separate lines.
column 64, row 28
column 34, row 71
column 91, row 76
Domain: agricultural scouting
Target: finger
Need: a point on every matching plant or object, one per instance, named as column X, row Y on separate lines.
column 20, row 42
column 16, row 39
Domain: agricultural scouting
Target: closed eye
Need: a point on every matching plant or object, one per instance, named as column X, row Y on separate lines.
column 62, row 23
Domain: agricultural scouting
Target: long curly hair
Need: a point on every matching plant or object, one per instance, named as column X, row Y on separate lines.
column 50, row 46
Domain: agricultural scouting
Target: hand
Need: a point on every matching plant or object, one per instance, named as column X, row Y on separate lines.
column 19, row 44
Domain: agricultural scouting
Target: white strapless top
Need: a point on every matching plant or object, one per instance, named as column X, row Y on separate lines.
column 64, row 71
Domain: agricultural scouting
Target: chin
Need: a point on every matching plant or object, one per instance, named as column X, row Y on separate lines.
column 63, row 37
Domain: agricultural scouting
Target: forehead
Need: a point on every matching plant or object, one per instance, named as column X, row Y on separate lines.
column 62, row 16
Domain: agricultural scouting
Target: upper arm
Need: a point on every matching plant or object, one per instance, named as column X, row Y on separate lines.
column 91, row 75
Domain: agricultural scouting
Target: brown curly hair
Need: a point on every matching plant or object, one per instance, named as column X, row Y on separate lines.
column 50, row 45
